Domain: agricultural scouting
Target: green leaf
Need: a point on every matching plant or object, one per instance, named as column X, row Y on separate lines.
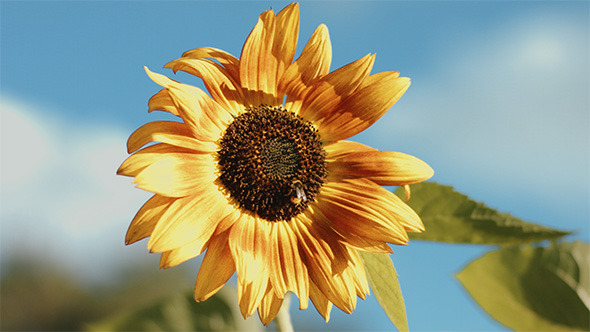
column 534, row 288
column 180, row 312
column 383, row 280
column 450, row 216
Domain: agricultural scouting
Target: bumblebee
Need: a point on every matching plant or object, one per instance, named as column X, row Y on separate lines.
column 298, row 194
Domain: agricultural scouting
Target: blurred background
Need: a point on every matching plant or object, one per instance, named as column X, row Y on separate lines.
column 499, row 107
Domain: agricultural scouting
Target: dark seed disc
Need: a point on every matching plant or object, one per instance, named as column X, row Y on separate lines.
column 272, row 162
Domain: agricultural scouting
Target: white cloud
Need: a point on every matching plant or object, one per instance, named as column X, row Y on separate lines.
column 22, row 158
column 60, row 196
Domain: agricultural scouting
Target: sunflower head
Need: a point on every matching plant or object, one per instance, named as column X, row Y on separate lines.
column 258, row 175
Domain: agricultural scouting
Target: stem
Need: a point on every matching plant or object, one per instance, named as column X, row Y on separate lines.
column 283, row 319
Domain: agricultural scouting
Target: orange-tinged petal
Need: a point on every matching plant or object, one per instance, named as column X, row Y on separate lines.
column 313, row 63
column 188, row 219
column 249, row 245
column 162, row 101
column 386, row 168
column 269, row 306
column 146, row 218
column 375, row 78
column 404, row 214
column 363, row 108
column 169, row 132
column 347, row 284
column 204, row 116
column 285, row 40
column 177, row 174
column 407, row 192
column 258, row 65
column 216, row 269
column 220, row 84
column 230, row 62
column 288, row 273
column 349, row 239
column 320, row 301
column 325, row 262
column 333, row 88
column 362, row 208
column 356, row 271
column 382, row 201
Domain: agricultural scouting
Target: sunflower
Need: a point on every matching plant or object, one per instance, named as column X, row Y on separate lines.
column 259, row 177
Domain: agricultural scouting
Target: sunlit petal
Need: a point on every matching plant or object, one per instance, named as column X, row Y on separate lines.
column 217, row 267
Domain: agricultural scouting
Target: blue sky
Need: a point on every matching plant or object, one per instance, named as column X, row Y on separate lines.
column 499, row 107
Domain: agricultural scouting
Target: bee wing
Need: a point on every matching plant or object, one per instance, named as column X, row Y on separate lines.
column 300, row 193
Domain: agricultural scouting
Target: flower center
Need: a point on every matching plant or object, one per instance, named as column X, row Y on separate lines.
column 272, row 162
column 280, row 157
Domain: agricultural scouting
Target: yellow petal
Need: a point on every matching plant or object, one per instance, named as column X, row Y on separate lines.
column 228, row 221
column 177, row 174
column 204, row 116
column 189, row 219
column 249, row 245
column 143, row 158
column 338, row 149
column 220, row 84
column 269, row 306
column 363, row 108
column 320, row 301
column 216, row 269
column 313, row 63
column 386, row 168
column 146, row 218
column 181, row 254
column 228, row 61
column 170, row 132
column 285, row 40
column 162, row 101
column 277, row 278
column 250, row 295
column 258, row 65
column 333, row 88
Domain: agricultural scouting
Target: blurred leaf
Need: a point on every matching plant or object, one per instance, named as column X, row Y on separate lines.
column 450, row 216
column 180, row 312
column 383, row 280
column 533, row 288
column 41, row 295
column 37, row 296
